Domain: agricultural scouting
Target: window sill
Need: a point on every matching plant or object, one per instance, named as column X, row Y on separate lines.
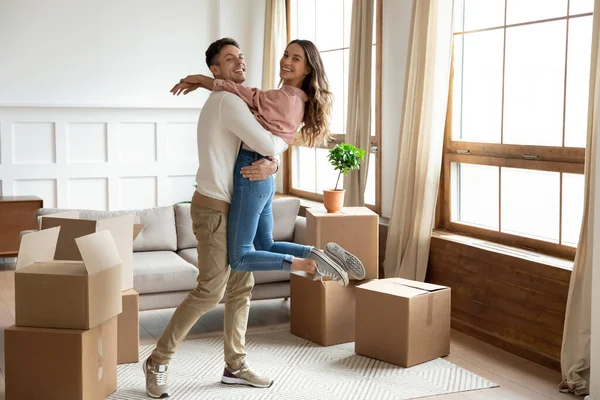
column 516, row 252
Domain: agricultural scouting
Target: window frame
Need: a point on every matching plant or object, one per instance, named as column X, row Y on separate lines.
column 532, row 157
column 338, row 137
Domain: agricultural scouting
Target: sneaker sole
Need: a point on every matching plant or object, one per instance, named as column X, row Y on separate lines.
column 237, row 381
column 162, row 396
column 350, row 261
column 337, row 268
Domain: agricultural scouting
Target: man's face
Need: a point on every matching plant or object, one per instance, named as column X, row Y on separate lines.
column 230, row 65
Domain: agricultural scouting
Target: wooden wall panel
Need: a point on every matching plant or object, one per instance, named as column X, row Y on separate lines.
column 513, row 303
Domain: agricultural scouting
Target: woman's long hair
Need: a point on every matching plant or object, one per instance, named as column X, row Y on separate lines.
column 317, row 112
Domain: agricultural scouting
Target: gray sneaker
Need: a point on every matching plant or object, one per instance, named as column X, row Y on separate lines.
column 156, row 379
column 245, row 376
column 347, row 260
column 328, row 268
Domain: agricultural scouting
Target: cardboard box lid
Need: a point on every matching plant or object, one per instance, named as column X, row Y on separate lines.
column 345, row 211
column 401, row 287
column 97, row 251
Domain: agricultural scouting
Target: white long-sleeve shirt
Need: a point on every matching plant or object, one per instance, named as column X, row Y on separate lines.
column 225, row 121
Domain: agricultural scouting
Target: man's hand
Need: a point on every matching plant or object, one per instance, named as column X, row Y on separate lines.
column 183, row 88
column 260, row 170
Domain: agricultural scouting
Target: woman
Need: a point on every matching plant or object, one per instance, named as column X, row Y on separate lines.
column 304, row 101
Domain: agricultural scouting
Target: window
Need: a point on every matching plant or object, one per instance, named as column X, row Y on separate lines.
column 517, row 122
column 327, row 24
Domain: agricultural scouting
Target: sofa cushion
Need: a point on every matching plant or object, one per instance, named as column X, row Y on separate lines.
column 191, row 256
column 183, row 224
column 285, row 211
column 159, row 232
column 162, row 271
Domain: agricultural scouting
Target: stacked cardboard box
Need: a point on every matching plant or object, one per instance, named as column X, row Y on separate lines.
column 64, row 344
column 324, row 312
column 71, row 282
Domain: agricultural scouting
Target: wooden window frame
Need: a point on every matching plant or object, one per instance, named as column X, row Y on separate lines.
column 540, row 158
column 339, row 138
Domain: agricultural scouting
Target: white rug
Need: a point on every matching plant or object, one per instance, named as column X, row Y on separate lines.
column 301, row 370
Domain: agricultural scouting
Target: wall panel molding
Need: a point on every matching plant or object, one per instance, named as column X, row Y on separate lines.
column 101, row 158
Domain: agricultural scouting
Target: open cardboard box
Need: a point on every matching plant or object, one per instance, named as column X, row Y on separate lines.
column 67, row 294
column 122, row 228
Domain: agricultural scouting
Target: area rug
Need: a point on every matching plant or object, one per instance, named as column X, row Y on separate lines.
column 301, row 370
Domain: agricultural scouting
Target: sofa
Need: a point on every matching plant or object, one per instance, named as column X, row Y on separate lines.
column 165, row 262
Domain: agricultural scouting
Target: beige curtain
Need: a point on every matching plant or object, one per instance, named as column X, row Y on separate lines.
column 358, row 126
column 421, row 140
column 575, row 354
column 274, row 42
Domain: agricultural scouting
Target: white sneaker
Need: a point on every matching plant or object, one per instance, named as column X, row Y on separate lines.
column 328, row 268
column 347, row 260
column 245, row 376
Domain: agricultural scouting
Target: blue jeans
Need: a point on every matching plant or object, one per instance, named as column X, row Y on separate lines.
column 251, row 224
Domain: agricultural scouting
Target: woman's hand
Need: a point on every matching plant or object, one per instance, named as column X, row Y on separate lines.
column 183, row 88
column 191, row 83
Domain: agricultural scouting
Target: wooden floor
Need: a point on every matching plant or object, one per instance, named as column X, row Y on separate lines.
column 519, row 379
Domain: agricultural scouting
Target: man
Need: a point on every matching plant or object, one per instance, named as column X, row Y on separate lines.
column 224, row 122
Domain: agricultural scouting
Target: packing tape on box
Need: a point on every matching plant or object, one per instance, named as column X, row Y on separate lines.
column 100, row 344
column 429, row 309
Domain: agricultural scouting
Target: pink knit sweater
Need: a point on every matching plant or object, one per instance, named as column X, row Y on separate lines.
column 279, row 111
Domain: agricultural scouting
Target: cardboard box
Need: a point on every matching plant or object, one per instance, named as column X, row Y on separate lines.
column 356, row 229
column 128, row 343
column 322, row 312
column 122, row 228
column 402, row 322
column 67, row 294
column 64, row 364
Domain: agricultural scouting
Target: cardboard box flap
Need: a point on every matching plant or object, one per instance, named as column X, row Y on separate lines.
column 430, row 287
column 391, row 287
column 137, row 229
column 64, row 214
column 121, row 229
column 70, row 230
column 37, row 246
column 98, row 251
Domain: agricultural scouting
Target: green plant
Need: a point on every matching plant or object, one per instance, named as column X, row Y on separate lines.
column 344, row 158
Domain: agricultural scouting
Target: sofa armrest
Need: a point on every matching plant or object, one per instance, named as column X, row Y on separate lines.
column 300, row 235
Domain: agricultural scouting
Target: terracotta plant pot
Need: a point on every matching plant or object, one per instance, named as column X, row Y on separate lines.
column 333, row 200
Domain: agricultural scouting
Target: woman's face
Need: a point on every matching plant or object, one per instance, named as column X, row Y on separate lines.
column 293, row 66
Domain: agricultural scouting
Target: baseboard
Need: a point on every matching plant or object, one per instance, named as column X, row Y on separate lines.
column 542, row 359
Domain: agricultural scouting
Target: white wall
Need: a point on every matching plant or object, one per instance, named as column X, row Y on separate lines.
column 395, row 41
column 86, row 117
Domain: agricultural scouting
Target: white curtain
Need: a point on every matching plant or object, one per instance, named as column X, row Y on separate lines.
column 421, row 140
column 358, row 126
column 575, row 354
column 274, row 43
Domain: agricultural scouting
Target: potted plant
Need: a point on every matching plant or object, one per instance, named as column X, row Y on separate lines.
column 344, row 158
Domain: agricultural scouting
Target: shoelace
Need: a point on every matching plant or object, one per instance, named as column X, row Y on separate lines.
column 328, row 274
column 160, row 378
